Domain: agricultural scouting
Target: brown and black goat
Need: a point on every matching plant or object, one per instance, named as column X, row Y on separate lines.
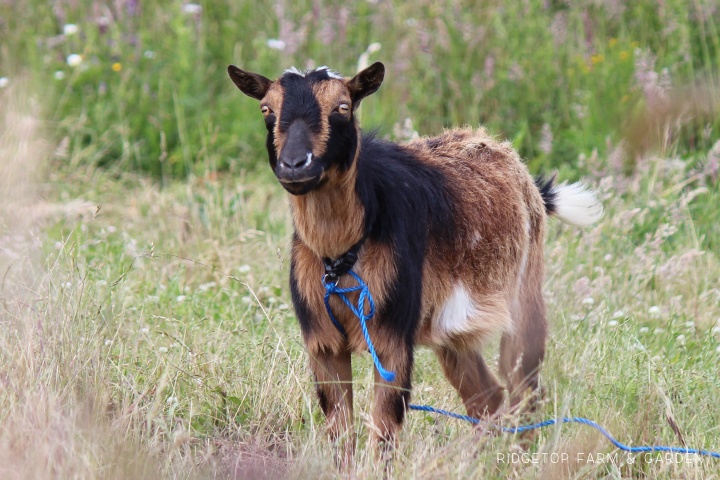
column 448, row 232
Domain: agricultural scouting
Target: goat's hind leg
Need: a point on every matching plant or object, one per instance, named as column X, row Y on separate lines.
column 471, row 377
column 522, row 350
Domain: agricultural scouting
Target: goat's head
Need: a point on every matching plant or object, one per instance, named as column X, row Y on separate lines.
column 313, row 135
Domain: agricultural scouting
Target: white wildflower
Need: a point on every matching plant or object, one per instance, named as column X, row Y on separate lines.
column 70, row 29
column 276, row 44
column 654, row 310
column 108, row 343
column 681, row 339
column 153, row 298
column 246, row 300
column 206, row 286
column 145, row 330
column 283, row 306
column 612, row 323
column 180, row 298
column 618, row 314
column 658, row 331
column 192, row 8
column 4, row 81
column 74, row 60
column 608, row 257
column 161, row 286
column 644, row 329
column 428, row 389
column 102, row 283
column 150, row 54
column 588, row 301
column 244, row 269
column 162, row 349
column 690, row 324
column 718, row 349
column 272, row 300
column 172, row 401
column 111, row 229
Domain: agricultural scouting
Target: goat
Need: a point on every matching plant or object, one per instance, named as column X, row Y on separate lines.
column 448, row 232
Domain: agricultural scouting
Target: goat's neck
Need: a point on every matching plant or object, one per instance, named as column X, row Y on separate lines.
column 332, row 219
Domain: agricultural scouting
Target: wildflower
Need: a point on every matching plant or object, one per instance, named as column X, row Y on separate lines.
column 634, row 44
column 681, row 339
column 172, row 401
column 180, row 298
column 716, row 331
column 192, row 8
column 644, row 329
column 612, row 42
column 108, row 343
column 244, row 269
column 153, row 298
column 150, row 54
column 690, row 324
column 162, row 349
column 145, row 330
column 718, row 349
column 276, row 44
column 612, row 323
column 74, row 59
column 206, row 286
column 618, row 314
column 546, row 139
column 597, row 59
column 625, row 98
column 70, row 29
column 654, row 310
column 117, row 67
column 272, row 300
column 658, row 331
column 283, row 306
column 607, row 257
column 4, row 81
column 246, row 300
column 588, row 301
column 428, row 389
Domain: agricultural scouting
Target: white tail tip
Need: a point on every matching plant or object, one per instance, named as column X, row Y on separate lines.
column 577, row 204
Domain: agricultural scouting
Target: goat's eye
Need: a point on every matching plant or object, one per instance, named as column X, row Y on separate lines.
column 265, row 110
column 343, row 108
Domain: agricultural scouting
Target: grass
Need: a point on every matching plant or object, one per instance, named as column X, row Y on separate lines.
column 145, row 320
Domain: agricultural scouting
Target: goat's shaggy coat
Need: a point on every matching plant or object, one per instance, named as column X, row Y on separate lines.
column 453, row 230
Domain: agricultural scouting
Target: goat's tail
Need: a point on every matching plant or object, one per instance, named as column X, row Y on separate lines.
column 575, row 203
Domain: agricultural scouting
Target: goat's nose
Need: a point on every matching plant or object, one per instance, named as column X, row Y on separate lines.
column 297, row 161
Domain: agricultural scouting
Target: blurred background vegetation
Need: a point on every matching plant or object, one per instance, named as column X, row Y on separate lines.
column 141, row 86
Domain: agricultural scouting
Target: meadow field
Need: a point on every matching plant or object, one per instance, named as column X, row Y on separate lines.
column 146, row 328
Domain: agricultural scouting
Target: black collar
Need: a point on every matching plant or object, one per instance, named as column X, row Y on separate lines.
column 344, row 263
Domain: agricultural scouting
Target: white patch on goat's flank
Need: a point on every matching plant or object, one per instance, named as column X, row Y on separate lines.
column 454, row 314
column 527, row 226
column 331, row 73
column 577, row 204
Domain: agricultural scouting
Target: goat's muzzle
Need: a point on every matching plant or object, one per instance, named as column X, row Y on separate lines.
column 297, row 169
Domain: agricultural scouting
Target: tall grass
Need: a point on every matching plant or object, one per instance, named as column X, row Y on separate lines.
column 558, row 78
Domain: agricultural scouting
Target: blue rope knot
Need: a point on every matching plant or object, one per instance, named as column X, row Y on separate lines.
column 331, row 288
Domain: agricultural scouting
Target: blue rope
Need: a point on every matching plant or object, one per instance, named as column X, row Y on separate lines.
column 554, row 421
column 359, row 311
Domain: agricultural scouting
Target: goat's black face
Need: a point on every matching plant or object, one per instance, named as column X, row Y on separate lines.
column 310, row 120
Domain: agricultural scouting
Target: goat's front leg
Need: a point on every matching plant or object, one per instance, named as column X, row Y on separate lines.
column 391, row 398
column 333, row 377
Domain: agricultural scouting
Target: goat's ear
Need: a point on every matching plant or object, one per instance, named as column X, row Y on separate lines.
column 251, row 84
column 366, row 82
